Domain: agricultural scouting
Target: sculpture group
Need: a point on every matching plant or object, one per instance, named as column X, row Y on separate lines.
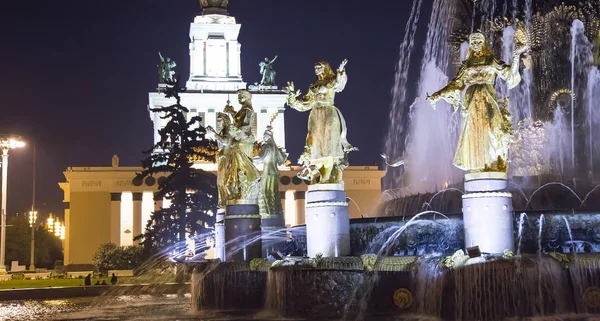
column 482, row 147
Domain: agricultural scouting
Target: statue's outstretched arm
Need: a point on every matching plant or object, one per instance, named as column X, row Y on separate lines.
column 452, row 92
column 511, row 73
column 292, row 100
column 272, row 61
column 341, row 78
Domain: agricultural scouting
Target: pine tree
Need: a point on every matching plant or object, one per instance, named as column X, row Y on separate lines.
column 192, row 192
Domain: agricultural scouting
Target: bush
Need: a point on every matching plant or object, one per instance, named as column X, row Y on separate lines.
column 109, row 256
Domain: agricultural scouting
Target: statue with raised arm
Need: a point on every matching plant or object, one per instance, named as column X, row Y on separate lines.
column 242, row 120
column 326, row 150
column 486, row 132
column 236, row 173
column 268, row 72
column 271, row 156
column 165, row 69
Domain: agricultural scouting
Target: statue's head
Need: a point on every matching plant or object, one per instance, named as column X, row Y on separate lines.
column 477, row 42
column 323, row 70
column 267, row 59
column 244, row 97
column 268, row 134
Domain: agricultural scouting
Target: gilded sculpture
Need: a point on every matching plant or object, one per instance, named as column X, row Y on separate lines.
column 326, row 151
column 271, row 156
column 237, row 177
column 242, row 120
column 486, row 132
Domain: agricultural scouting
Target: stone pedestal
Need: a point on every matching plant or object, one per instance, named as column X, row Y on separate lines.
column 242, row 231
column 220, row 236
column 488, row 213
column 327, row 221
column 273, row 233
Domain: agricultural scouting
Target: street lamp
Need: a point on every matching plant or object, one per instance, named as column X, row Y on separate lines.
column 32, row 218
column 7, row 142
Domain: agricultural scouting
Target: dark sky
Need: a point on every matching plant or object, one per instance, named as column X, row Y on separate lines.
column 76, row 74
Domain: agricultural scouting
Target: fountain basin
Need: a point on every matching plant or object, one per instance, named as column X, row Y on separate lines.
column 403, row 286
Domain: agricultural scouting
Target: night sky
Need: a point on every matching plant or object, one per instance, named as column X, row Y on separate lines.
column 76, row 75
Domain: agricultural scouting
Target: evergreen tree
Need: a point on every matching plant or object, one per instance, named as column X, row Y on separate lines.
column 192, row 192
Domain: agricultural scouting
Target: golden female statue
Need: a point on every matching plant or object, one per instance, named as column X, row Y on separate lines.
column 326, row 149
column 242, row 120
column 236, row 174
column 271, row 156
column 487, row 128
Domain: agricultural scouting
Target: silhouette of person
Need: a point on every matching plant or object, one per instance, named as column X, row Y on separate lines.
column 113, row 279
column 88, row 280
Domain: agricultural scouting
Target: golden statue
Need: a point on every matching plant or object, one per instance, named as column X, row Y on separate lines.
column 271, row 156
column 326, row 149
column 487, row 127
column 237, row 177
column 242, row 120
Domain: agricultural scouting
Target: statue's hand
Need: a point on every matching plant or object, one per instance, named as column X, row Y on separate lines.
column 343, row 65
column 521, row 50
column 433, row 99
column 209, row 129
column 290, row 90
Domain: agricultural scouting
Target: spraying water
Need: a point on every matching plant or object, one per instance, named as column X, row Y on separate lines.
column 520, row 232
column 570, row 235
column 539, row 238
column 581, row 59
column 430, row 152
column 394, row 144
column 592, row 99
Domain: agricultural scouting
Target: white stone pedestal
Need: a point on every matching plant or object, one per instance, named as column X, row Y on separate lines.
column 220, row 236
column 488, row 213
column 327, row 221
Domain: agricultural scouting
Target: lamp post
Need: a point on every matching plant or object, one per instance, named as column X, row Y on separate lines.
column 7, row 142
column 32, row 218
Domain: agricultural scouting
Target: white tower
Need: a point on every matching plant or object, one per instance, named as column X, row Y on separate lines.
column 215, row 77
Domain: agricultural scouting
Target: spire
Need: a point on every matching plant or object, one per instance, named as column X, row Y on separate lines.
column 214, row 6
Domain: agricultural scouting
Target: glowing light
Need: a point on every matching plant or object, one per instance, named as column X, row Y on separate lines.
column 50, row 223
column 57, row 228
column 32, row 217
column 11, row 141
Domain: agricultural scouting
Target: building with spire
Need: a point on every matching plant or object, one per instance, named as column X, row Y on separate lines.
column 110, row 204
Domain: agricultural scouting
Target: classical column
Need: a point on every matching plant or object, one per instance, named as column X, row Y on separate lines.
column 300, row 199
column 137, row 215
column 282, row 196
column 262, row 120
column 210, row 119
column 279, row 134
column 115, row 219
column 67, row 247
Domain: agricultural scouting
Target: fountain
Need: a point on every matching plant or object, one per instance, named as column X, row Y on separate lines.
column 406, row 267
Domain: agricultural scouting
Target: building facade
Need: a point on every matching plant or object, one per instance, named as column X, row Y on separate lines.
column 109, row 204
